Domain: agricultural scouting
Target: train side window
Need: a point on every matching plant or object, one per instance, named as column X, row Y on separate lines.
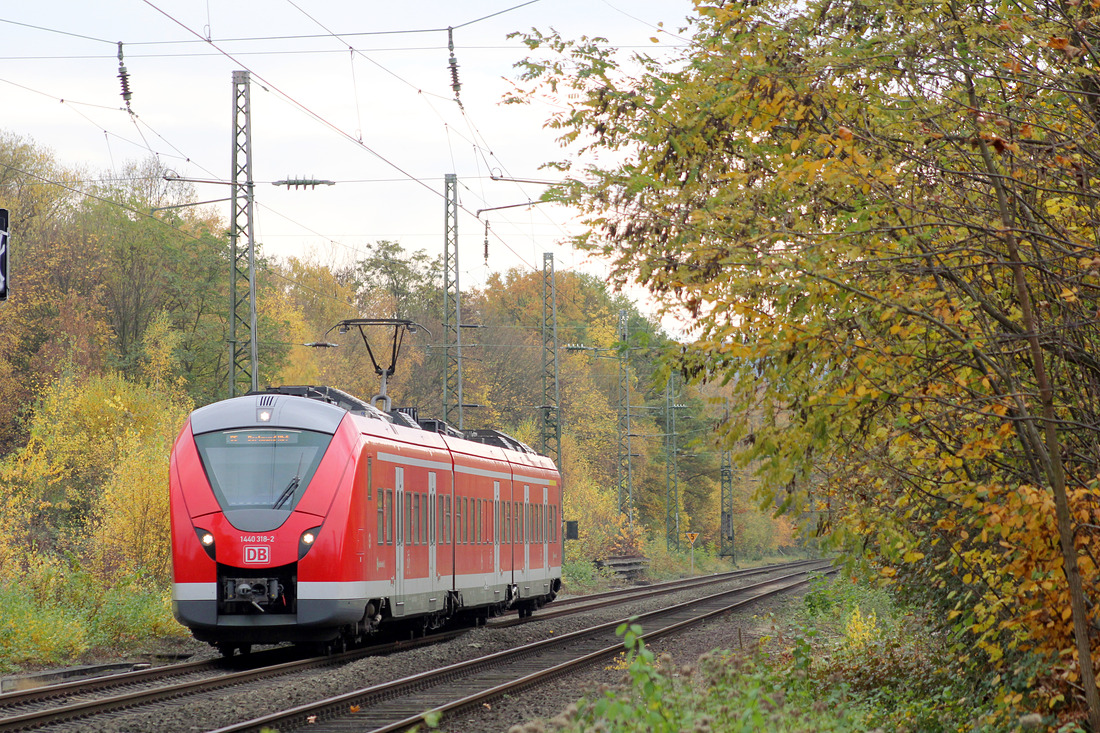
column 424, row 520
column 470, row 536
column 416, row 519
column 478, row 526
column 408, row 519
column 447, row 521
column 389, row 516
column 439, row 514
column 381, row 536
column 370, row 478
column 458, row 521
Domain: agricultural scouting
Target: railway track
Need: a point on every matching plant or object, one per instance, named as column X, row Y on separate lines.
column 76, row 701
column 403, row 704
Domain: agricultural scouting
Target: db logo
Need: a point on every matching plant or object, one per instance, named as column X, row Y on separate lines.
column 257, row 553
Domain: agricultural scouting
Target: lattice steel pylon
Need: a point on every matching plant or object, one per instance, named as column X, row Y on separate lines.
column 672, row 476
column 452, row 309
column 551, row 417
column 626, row 471
column 244, row 363
column 726, row 546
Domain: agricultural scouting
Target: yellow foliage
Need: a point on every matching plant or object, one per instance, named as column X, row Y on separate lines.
column 93, row 475
column 859, row 630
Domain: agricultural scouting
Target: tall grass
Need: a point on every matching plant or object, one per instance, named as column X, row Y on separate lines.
column 53, row 613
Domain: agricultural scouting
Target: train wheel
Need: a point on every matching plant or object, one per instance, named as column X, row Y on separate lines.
column 245, row 648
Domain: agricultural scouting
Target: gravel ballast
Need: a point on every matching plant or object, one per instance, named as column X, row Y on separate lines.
column 230, row 706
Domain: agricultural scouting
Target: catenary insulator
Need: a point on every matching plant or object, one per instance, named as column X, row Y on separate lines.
column 453, row 62
column 124, row 77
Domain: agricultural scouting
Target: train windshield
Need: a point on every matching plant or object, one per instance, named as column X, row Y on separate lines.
column 260, row 469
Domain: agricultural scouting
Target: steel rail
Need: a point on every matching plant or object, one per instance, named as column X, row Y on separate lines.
column 561, row 607
column 74, row 711
column 341, row 706
column 564, row 607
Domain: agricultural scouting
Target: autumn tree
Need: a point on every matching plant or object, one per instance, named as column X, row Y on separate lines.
column 51, row 320
column 883, row 217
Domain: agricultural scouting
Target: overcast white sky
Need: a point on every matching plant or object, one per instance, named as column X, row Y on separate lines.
column 58, row 76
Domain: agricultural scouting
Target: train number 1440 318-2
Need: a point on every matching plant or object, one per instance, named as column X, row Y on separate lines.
column 257, row 538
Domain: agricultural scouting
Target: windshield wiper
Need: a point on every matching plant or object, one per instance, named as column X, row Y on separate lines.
column 287, row 492
column 290, row 487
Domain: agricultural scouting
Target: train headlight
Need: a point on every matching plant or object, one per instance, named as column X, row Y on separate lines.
column 306, row 541
column 206, row 539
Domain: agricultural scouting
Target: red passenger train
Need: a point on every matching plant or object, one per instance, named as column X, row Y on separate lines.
column 305, row 515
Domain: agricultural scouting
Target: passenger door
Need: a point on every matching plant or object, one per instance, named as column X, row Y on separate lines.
column 399, row 542
column 433, row 522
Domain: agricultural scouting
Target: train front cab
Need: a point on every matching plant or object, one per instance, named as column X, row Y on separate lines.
column 272, row 555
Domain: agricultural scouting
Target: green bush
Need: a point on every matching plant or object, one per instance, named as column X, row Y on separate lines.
column 856, row 661
column 836, row 599
column 578, row 575
column 738, row 693
column 33, row 632
column 53, row 611
column 130, row 613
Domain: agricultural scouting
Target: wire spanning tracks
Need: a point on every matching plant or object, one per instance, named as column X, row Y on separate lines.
column 399, row 705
